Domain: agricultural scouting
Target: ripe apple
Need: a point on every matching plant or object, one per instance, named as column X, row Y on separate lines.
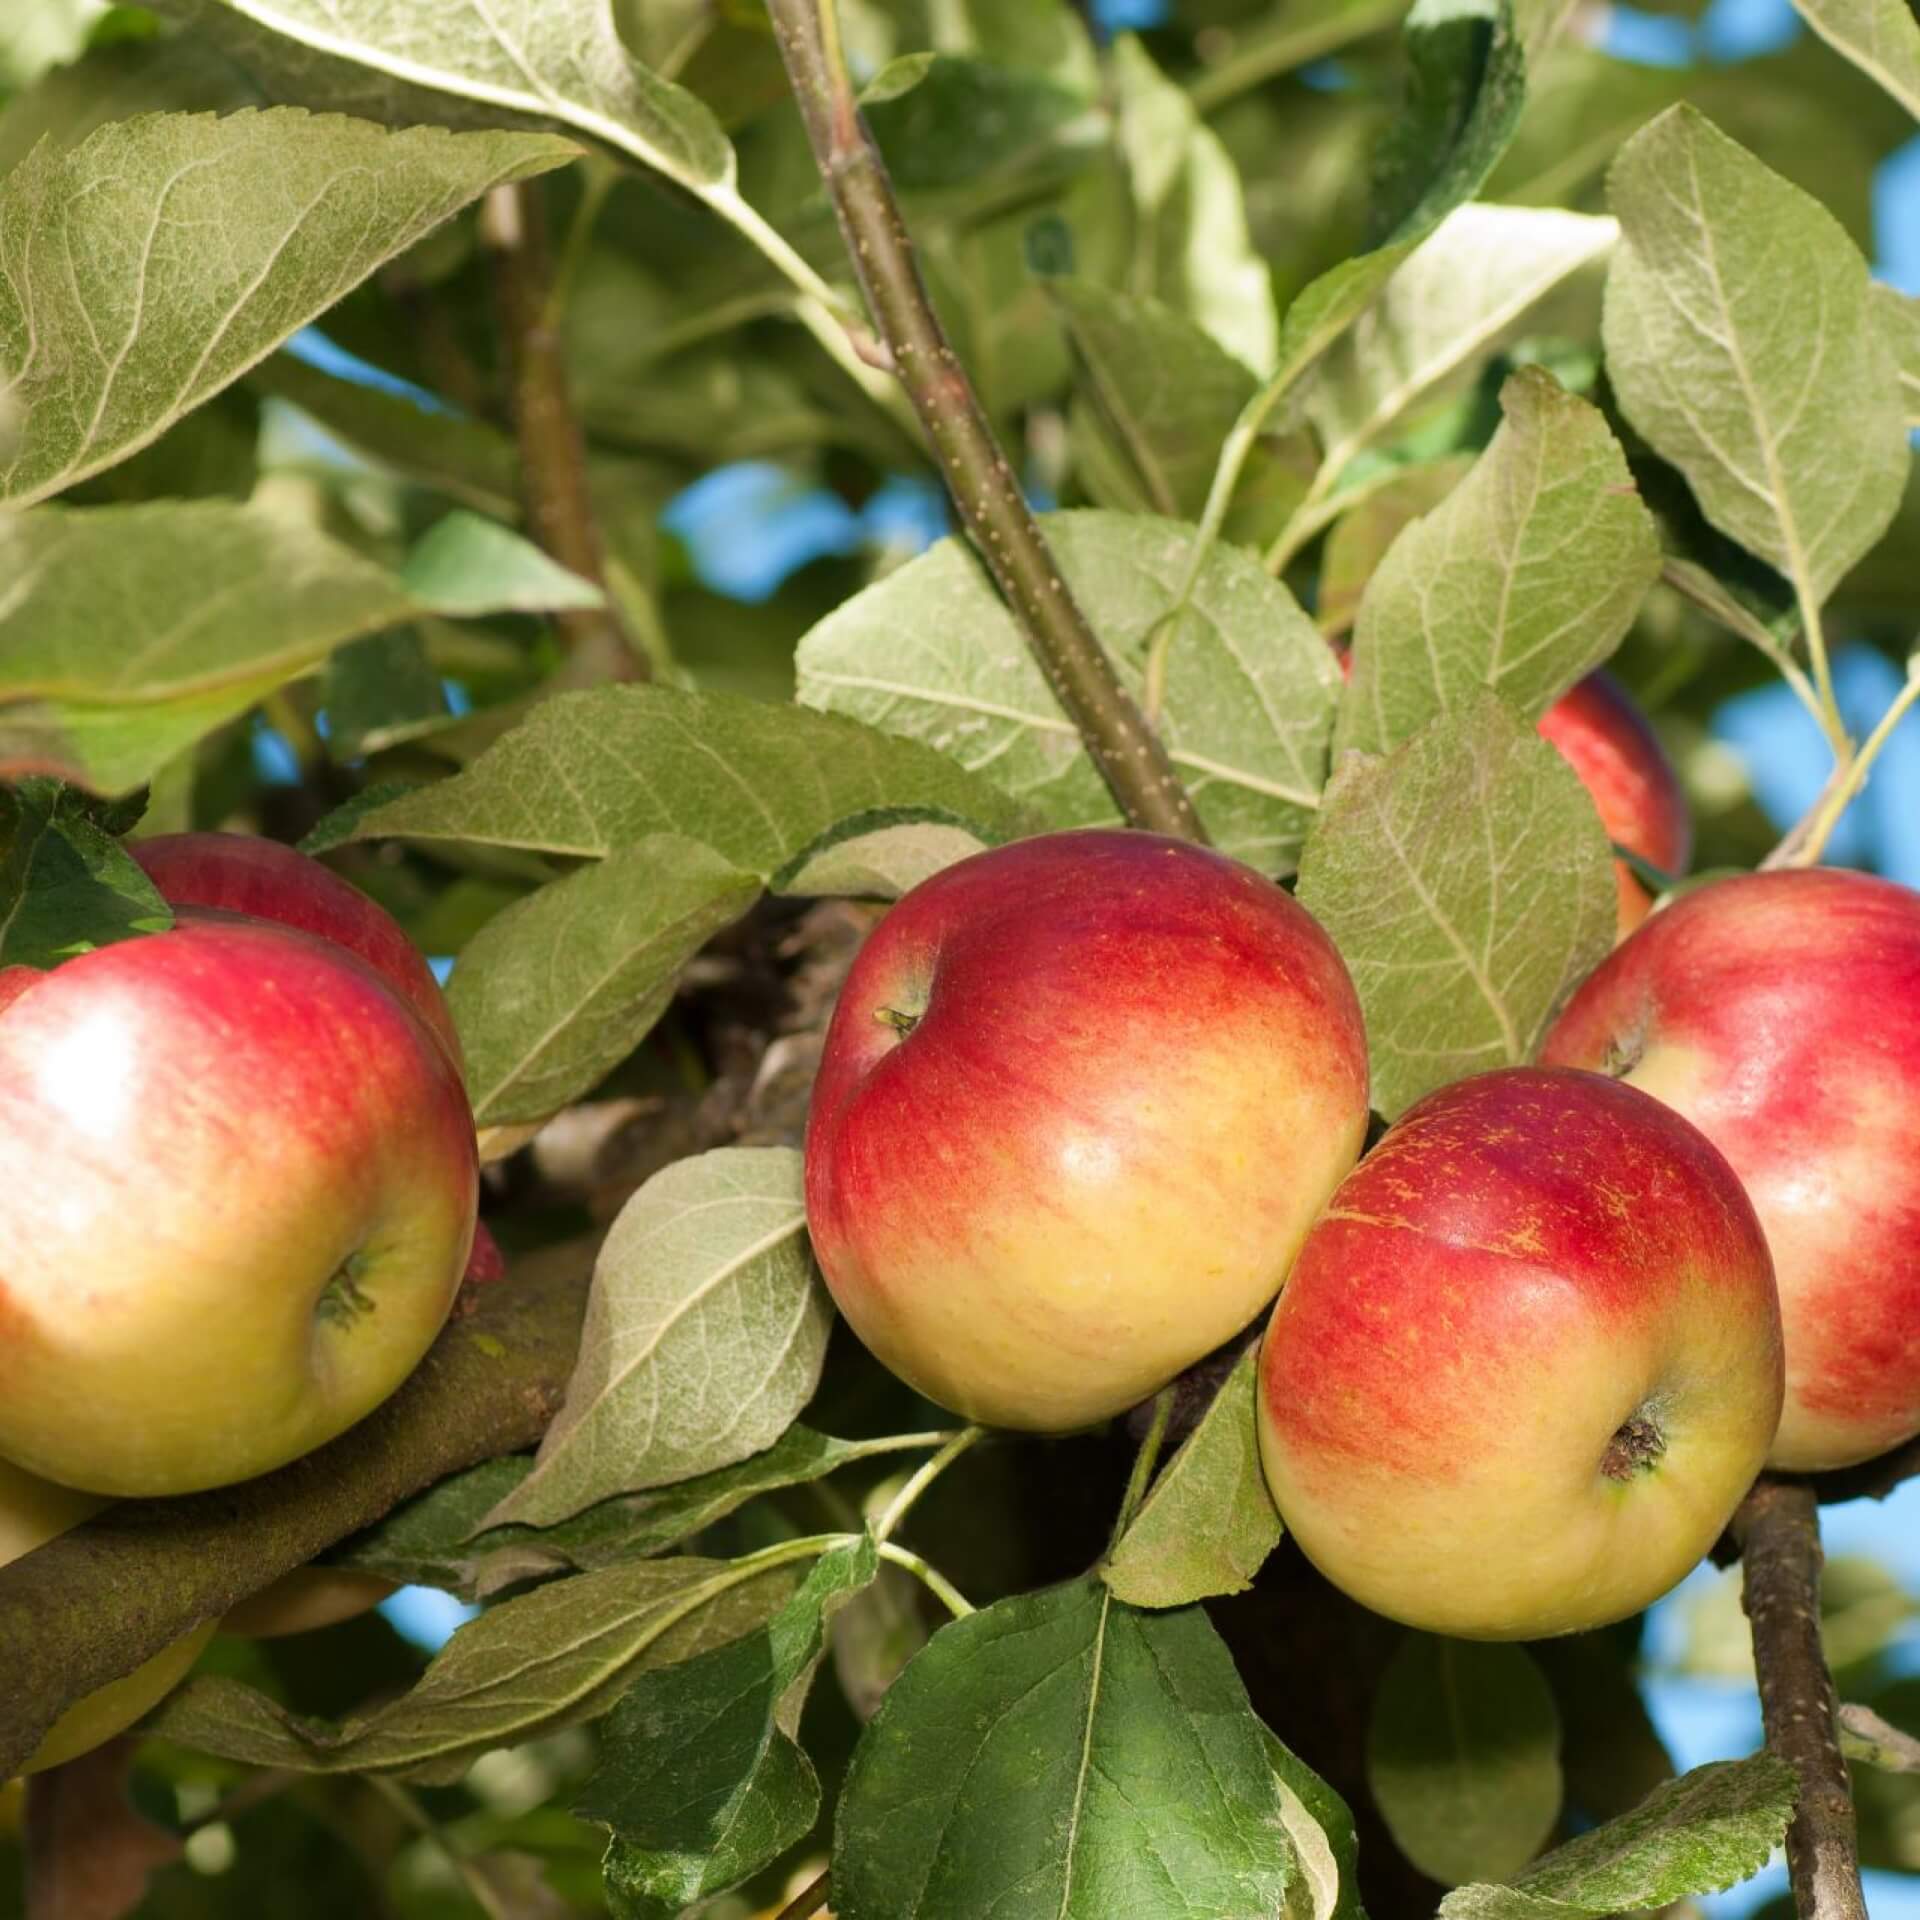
column 32, row 1512
column 1527, row 1363
column 1780, row 1012
column 1079, row 1101
column 242, row 873
column 237, row 1191
column 1605, row 738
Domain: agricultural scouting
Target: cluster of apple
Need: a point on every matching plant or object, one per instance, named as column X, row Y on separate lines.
column 1090, row 1101
column 238, row 1191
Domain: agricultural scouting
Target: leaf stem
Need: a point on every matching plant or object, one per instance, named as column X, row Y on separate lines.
column 984, row 488
column 1144, row 1463
column 416, row 1816
column 1808, row 840
column 809, row 1900
column 1266, row 55
column 922, row 1478
column 1778, row 1529
column 553, row 456
column 929, row 1576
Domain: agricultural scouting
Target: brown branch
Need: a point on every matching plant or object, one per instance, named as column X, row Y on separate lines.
column 809, row 1900
column 98, row 1601
column 1778, row 1528
column 553, row 458
column 985, row 491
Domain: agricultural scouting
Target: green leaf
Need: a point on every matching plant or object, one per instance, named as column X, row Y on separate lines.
column 880, row 864
column 67, row 885
column 552, row 994
column 561, row 61
column 1699, row 1834
column 1329, row 1861
column 1191, row 246
column 1060, row 1755
column 144, row 269
column 590, row 773
column 1361, row 538
column 1468, row 884
column 465, row 565
column 1463, row 1757
column 440, row 1539
column 699, row 1776
column 932, row 651
column 705, row 1332
column 1461, row 293
column 1523, row 579
column 1880, row 37
column 1581, row 105
column 549, row 1659
column 973, row 123
column 380, row 691
column 1209, row 1521
column 1899, row 317
column 1742, row 347
column 1874, row 1741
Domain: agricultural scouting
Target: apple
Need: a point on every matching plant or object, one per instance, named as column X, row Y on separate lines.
column 32, row 1512
column 1079, row 1101
column 1605, row 738
column 1527, row 1363
column 237, row 1191
column 306, row 1599
column 242, row 873
column 1780, row 1012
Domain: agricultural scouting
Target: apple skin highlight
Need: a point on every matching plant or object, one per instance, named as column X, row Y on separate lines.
column 1780, row 1013
column 1527, row 1362
column 237, row 1191
column 1080, row 1099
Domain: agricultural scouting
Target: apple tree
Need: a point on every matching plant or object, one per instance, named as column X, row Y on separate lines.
column 1316, row 396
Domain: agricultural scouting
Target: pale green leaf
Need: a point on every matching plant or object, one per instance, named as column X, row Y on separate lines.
column 1742, row 347
column 881, row 864
column 1880, row 37
column 1209, row 1521
column 1463, row 1757
column 466, row 565
column 1899, row 317
column 932, row 651
column 1524, row 578
column 1875, row 1741
column 561, row 1654
column 558, row 60
column 1461, row 294
column 1699, row 1834
column 1468, row 884
column 144, row 269
column 1191, row 245
column 1365, row 532
column 557, row 990
column 1325, row 1845
column 705, row 1332
column 1059, row 1756
column 589, row 773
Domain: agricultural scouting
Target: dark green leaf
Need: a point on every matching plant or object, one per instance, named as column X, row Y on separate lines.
column 66, row 883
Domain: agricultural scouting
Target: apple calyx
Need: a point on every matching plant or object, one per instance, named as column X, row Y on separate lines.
column 343, row 1300
column 902, row 1022
column 1636, row 1448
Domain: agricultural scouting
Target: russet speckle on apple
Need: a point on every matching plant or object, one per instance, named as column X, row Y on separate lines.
column 1079, row 1101
column 1527, row 1363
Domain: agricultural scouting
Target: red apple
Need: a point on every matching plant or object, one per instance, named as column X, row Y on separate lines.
column 1605, row 738
column 242, row 873
column 1080, row 1098
column 237, row 1191
column 1527, row 1363
column 1780, row 1012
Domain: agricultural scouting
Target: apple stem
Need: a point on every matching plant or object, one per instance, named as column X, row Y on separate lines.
column 979, row 477
column 1144, row 1463
column 921, row 1479
column 929, row 1576
column 1778, row 1529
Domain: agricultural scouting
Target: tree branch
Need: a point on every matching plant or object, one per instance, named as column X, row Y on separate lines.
column 984, row 488
column 95, row 1603
column 1778, row 1529
column 553, row 460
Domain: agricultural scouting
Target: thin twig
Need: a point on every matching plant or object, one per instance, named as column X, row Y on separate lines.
column 810, row 1899
column 1778, row 1529
column 985, row 490
column 1808, row 839
column 553, row 457
column 479, row 1890
column 923, row 1477
column 929, row 1576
